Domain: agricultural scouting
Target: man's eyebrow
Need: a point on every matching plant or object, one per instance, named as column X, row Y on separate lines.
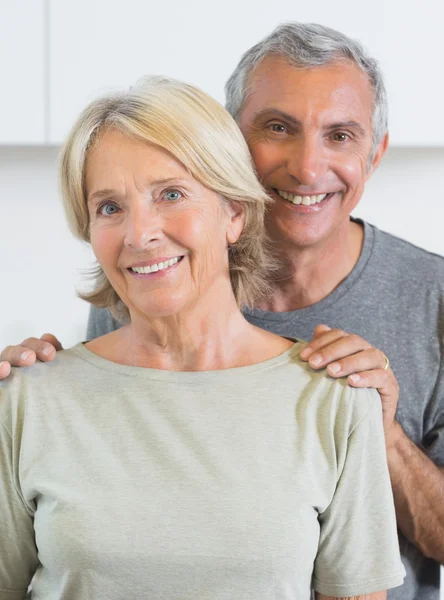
column 276, row 114
column 348, row 125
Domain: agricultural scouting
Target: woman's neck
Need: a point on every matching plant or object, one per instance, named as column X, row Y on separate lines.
column 209, row 335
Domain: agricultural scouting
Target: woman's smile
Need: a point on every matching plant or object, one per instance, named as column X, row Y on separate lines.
column 155, row 269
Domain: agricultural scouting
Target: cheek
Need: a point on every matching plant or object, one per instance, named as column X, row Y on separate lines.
column 352, row 171
column 266, row 158
column 105, row 244
column 196, row 229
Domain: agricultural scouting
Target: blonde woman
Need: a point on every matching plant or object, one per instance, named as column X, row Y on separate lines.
column 189, row 454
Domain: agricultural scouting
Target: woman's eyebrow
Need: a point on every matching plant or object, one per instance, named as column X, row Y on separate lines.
column 110, row 192
column 100, row 194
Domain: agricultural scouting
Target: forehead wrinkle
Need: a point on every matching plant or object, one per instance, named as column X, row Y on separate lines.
column 269, row 83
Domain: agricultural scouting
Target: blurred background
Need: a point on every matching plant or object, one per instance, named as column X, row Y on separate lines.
column 56, row 55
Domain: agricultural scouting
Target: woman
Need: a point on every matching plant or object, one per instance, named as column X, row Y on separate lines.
column 172, row 485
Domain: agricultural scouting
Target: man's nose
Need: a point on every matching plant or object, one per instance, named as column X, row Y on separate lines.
column 144, row 228
column 307, row 162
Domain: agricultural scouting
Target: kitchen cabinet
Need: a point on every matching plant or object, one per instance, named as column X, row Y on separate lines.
column 23, row 53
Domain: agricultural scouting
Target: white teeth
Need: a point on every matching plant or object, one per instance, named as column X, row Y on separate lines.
column 304, row 200
column 157, row 267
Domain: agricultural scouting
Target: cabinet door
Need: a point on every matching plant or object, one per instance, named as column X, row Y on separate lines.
column 22, row 50
column 102, row 44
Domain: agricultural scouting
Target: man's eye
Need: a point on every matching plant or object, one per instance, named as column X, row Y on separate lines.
column 277, row 127
column 107, row 209
column 340, row 136
column 173, row 195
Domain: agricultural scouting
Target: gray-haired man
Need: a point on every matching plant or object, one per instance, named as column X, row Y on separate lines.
column 312, row 107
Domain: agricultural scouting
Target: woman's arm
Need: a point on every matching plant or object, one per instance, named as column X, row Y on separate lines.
column 375, row 596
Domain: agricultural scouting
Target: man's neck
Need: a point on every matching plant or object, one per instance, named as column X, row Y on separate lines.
column 311, row 274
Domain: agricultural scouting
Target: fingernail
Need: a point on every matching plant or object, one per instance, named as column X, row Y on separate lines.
column 25, row 355
column 315, row 360
column 305, row 352
column 355, row 378
column 334, row 368
column 46, row 351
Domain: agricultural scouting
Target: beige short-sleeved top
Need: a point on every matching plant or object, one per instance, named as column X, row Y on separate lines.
column 244, row 484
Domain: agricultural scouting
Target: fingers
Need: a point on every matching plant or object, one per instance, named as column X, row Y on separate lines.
column 18, row 356
column 384, row 381
column 333, row 345
column 364, row 360
column 28, row 352
column 388, row 388
column 5, row 369
column 320, row 329
column 48, row 337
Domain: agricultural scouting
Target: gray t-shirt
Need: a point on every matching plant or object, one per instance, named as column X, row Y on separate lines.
column 394, row 298
column 122, row 483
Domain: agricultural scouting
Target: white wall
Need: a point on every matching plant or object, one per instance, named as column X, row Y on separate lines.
column 40, row 261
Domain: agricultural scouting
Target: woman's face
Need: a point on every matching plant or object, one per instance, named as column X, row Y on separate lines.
column 159, row 235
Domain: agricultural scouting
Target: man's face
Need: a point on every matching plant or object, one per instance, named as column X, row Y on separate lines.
column 310, row 134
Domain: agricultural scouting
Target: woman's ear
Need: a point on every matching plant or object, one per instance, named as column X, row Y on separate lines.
column 236, row 221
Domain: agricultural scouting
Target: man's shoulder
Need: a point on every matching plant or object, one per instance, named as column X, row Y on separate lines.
column 404, row 248
column 101, row 322
column 407, row 258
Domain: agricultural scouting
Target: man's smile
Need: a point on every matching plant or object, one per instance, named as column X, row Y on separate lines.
column 304, row 200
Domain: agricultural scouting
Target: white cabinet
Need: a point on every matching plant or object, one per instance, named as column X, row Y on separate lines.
column 23, row 74
column 100, row 44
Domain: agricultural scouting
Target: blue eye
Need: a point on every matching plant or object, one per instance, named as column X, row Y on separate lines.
column 172, row 195
column 107, row 209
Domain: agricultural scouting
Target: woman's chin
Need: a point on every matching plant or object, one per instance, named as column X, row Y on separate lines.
column 169, row 307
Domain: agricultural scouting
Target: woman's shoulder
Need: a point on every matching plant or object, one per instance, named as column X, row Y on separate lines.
column 332, row 399
column 25, row 386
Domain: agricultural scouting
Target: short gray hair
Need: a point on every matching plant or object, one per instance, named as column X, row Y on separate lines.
column 309, row 45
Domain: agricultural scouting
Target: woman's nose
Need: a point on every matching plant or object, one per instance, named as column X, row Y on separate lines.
column 143, row 228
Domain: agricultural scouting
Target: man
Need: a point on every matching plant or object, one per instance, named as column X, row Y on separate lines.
column 312, row 107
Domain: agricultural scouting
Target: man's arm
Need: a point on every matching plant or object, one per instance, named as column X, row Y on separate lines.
column 376, row 596
column 418, row 490
column 418, row 484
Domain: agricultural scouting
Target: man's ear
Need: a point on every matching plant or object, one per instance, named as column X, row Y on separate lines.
column 380, row 151
column 236, row 221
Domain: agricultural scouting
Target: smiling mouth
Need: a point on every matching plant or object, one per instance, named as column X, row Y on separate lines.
column 160, row 266
column 303, row 200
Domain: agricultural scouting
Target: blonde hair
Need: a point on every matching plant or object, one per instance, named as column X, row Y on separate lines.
column 198, row 132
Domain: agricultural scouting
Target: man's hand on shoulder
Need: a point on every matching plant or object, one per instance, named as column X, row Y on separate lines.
column 28, row 352
column 348, row 355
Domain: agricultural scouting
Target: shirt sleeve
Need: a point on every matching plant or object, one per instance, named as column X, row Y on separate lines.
column 358, row 547
column 100, row 322
column 18, row 552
